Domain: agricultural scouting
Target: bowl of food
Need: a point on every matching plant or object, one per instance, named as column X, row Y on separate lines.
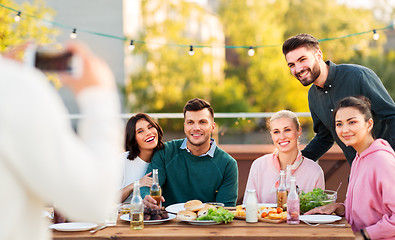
column 316, row 198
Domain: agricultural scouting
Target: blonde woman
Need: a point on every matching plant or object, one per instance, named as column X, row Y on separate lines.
column 285, row 131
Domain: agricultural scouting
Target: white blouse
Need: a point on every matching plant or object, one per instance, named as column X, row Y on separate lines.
column 133, row 170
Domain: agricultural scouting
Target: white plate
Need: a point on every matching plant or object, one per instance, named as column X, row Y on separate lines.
column 319, row 218
column 202, row 222
column 273, row 205
column 126, row 217
column 73, row 226
column 175, row 208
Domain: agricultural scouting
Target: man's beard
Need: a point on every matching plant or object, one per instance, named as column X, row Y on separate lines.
column 314, row 74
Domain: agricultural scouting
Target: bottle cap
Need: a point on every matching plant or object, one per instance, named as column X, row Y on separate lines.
column 250, row 190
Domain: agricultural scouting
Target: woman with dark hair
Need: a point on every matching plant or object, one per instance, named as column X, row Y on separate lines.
column 370, row 202
column 143, row 138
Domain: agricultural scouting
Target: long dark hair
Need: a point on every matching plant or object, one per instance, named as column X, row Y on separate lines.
column 130, row 132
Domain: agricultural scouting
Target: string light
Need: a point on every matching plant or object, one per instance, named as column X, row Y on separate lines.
column 376, row 36
column 131, row 46
column 251, row 51
column 73, row 35
column 17, row 18
column 191, row 52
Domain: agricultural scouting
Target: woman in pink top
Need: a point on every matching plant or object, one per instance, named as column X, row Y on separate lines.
column 264, row 174
column 370, row 200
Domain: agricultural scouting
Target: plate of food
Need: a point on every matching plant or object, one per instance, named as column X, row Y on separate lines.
column 264, row 214
column 72, row 226
column 193, row 205
column 201, row 222
column 126, row 217
column 197, row 213
column 319, row 218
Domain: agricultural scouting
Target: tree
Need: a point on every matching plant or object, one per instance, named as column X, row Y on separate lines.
column 170, row 76
column 264, row 75
column 28, row 28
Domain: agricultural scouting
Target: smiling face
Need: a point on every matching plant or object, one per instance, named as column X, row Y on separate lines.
column 198, row 127
column 304, row 64
column 146, row 135
column 352, row 128
column 285, row 134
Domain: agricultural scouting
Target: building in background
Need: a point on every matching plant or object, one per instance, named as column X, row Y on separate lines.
column 101, row 16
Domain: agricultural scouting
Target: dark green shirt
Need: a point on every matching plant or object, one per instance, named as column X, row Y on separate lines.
column 348, row 80
column 184, row 177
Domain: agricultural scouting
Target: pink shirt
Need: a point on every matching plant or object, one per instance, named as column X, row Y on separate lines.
column 265, row 172
column 370, row 200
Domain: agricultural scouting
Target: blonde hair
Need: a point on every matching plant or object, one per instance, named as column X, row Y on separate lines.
column 285, row 114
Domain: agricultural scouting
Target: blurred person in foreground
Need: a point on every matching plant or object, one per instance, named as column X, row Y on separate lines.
column 264, row 175
column 143, row 139
column 331, row 83
column 194, row 167
column 43, row 161
column 370, row 201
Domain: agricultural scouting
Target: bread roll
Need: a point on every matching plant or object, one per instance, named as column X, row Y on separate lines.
column 186, row 215
column 193, row 205
column 204, row 210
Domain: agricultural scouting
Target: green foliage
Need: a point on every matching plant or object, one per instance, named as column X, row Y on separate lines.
column 219, row 215
column 28, row 28
column 264, row 75
column 261, row 83
column 171, row 76
column 328, row 19
column 313, row 199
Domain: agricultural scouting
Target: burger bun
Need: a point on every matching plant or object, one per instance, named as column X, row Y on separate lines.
column 204, row 211
column 193, row 205
column 186, row 215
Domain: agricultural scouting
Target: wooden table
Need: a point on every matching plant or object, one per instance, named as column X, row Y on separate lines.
column 238, row 229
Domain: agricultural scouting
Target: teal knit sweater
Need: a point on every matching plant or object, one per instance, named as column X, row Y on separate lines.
column 185, row 177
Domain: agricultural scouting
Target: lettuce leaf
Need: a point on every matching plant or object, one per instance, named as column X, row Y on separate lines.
column 218, row 215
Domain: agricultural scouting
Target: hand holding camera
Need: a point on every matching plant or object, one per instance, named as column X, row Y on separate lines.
column 76, row 66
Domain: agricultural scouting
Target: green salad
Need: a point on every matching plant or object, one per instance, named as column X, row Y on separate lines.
column 219, row 215
column 313, row 199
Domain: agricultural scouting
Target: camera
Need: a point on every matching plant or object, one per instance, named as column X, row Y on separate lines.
column 53, row 60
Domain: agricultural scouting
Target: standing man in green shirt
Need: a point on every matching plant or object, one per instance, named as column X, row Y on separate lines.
column 331, row 83
column 194, row 167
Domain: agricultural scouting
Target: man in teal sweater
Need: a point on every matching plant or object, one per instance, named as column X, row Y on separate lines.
column 194, row 167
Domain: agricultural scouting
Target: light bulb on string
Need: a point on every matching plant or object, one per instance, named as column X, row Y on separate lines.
column 17, row 18
column 251, row 51
column 376, row 36
column 191, row 52
column 131, row 46
column 73, row 35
